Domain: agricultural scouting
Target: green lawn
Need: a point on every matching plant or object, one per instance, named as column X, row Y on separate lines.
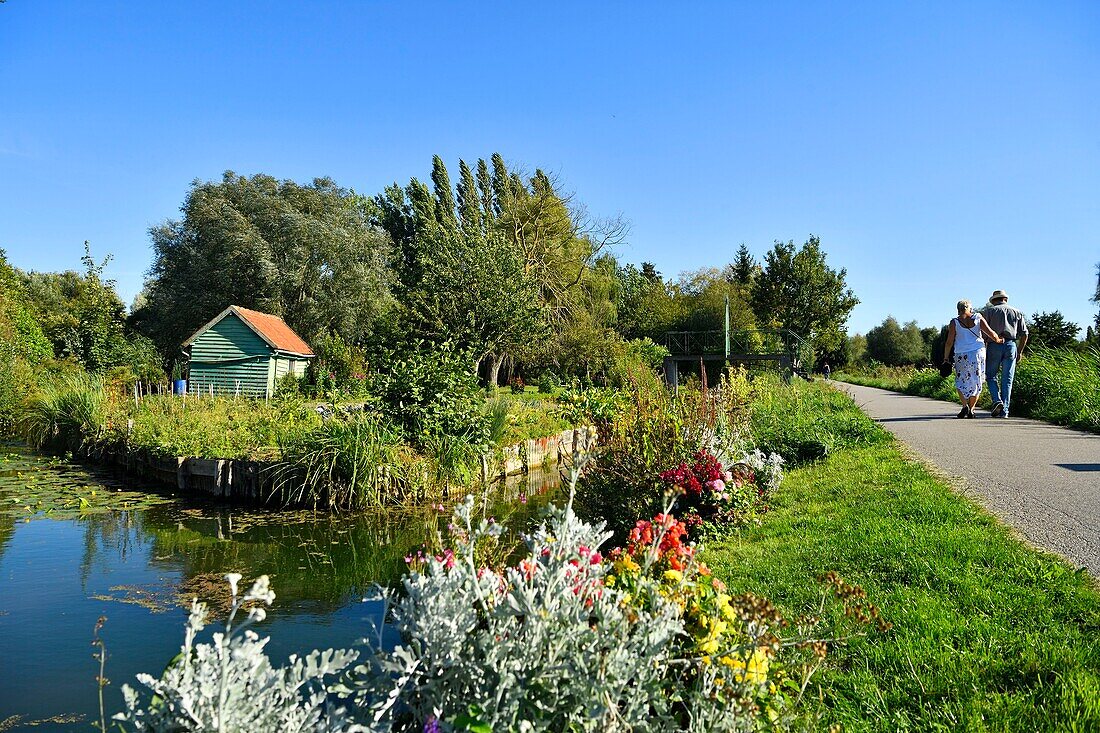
column 988, row 633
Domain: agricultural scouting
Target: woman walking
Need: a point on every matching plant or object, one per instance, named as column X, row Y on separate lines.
column 965, row 335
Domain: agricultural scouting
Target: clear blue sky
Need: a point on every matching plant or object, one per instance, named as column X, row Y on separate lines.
column 940, row 150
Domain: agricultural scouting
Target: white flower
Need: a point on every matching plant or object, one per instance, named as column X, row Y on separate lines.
column 233, row 579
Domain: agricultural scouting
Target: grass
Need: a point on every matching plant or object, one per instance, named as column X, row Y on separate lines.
column 988, row 633
column 805, row 422
column 218, row 427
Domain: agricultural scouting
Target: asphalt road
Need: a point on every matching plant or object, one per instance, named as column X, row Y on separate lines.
column 1041, row 479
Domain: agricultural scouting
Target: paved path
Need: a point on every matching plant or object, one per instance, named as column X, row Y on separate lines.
column 1041, row 479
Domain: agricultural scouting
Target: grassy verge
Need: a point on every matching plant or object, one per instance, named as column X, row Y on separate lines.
column 988, row 633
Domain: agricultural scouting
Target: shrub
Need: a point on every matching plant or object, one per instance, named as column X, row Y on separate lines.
column 713, row 492
column 643, row 639
column 652, row 431
column 432, row 390
column 352, row 461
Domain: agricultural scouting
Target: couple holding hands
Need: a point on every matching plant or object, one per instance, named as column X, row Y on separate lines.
column 999, row 329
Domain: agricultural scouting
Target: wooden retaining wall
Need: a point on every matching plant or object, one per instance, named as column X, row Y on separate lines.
column 252, row 481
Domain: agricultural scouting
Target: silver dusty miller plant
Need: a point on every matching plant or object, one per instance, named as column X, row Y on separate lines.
column 230, row 686
column 543, row 645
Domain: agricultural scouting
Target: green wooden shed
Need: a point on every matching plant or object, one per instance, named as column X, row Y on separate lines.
column 244, row 352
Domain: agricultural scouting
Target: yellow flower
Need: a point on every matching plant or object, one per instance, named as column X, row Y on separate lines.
column 674, row 575
column 626, row 564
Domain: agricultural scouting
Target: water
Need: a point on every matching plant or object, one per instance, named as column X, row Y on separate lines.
column 136, row 555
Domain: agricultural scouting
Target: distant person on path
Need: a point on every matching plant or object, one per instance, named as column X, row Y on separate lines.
column 965, row 335
column 1011, row 326
column 826, row 370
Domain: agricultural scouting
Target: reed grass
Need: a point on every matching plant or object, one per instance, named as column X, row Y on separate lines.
column 353, row 462
column 1061, row 386
column 68, row 413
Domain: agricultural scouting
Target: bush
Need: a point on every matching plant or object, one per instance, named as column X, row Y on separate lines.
column 565, row 639
column 651, row 431
column 432, row 390
column 230, row 684
column 355, row 461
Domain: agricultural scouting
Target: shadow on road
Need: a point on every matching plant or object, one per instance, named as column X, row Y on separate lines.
column 915, row 418
column 1079, row 466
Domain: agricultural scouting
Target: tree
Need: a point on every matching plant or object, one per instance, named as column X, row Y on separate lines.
column 309, row 254
column 1052, row 330
column 475, row 294
column 797, row 290
column 555, row 242
column 702, row 298
column 896, row 345
column 744, row 268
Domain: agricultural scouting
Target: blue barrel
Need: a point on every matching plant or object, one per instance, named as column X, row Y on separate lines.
column 179, row 386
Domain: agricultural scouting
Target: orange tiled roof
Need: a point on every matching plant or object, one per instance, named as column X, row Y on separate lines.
column 274, row 331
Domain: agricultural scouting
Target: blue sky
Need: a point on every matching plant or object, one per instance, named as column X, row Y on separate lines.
column 940, row 150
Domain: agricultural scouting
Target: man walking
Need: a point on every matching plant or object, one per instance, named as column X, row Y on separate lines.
column 1010, row 325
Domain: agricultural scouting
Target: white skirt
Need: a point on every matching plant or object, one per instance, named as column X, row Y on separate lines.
column 970, row 372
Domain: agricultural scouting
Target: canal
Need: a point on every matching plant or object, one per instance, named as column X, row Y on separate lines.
column 78, row 543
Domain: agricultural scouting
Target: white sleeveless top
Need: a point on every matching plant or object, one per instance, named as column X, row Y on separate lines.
column 969, row 339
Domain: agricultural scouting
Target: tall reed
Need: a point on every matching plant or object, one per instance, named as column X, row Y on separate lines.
column 69, row 413
column 353, row 462
column 1060, row 386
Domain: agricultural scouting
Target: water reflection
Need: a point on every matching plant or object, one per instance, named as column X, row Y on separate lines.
column 60, row 570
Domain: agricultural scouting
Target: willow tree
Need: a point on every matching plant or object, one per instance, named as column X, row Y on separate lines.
column 308, row 253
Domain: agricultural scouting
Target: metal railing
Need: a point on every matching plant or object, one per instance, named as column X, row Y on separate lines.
column 746, row 342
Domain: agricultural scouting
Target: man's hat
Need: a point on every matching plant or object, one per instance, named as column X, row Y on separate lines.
column 998, row 295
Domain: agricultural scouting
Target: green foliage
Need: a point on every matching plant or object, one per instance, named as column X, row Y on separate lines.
column 431, row 390
column 66, row 414
column 306, row 253
column 1060, row 386
column 221, row 427
column 805, row 422
column 85, row 320
column 524, row 419
column 339, row 367
column 799, row 291
column 23, row 345
column 354, row 461
column 1051, row 330
column 896, row 345
column 474, row 292
column 650, row 431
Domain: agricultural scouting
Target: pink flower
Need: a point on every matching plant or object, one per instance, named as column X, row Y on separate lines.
column 717, row 485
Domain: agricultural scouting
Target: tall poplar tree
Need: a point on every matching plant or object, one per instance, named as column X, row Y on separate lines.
column 469, row 205
column 444, row 197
